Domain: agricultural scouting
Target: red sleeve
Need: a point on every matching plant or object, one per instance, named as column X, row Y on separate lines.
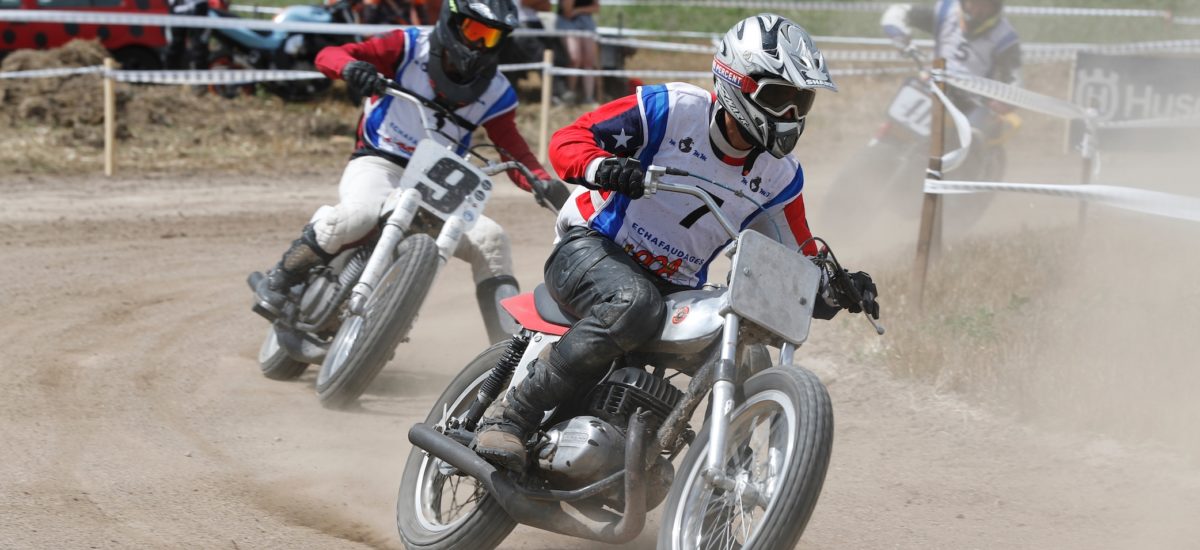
column 502, row 130
column 613, row 129
column 794, row 213
column 384, row 52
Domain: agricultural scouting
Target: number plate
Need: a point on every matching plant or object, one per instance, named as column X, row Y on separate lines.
column 912, row 108
column 449, row 186
column 773, row 286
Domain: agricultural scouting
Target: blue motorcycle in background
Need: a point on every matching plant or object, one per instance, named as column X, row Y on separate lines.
column 233, row 49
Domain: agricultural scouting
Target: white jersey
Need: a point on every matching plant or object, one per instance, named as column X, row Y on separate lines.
column 672, row 234
column 394, row 125
column 975, row 54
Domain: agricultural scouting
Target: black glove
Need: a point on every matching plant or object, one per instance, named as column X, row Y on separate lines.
column 862, row 289
column 553, row 191
column 623, row 175
column 362, row 78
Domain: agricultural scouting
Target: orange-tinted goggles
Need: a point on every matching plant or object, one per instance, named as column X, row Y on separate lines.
column 479, row 34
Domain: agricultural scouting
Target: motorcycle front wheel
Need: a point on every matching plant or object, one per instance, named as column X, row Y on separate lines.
column 438, row 509
column 364, row 343
column 777, row 452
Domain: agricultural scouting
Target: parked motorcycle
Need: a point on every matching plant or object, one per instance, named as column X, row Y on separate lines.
column 749, row 478
column 350, row 315
column 889, row 172
column 233, row 49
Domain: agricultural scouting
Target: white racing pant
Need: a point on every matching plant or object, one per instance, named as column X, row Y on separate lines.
column 365, row 186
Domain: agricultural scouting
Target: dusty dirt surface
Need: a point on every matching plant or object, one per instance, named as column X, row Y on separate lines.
column 135, row 415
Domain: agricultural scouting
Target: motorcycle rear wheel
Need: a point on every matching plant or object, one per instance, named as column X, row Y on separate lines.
column 423, row 516
column 777, row 453
column 365, row 343
column 275, row 362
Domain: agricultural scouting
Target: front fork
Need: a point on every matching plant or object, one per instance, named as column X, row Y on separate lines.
column 722, row 404
column 394, row 230
column 723, row 400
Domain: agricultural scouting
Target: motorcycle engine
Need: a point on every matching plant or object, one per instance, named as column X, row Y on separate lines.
column 326, row 289
column 588, row 448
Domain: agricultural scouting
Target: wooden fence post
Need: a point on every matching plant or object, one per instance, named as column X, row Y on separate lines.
column 547, row 79
column 110, row 116
column 931, row 208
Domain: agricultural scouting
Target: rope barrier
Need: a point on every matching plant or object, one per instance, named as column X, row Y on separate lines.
column 1012, row 95
column 1187, row 122
column 1167, row 205
column 240, row 76
column 232, row 77
column 605, row 35
column 875, row 7
column 51, row 73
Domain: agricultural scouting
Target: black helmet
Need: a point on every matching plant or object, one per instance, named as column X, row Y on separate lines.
column 464, row 48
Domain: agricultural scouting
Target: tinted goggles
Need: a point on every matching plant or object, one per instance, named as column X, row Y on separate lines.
column 479, row 35
column 780, row 97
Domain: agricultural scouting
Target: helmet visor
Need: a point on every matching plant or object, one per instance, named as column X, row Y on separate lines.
column 782, row 99
column 478, row 35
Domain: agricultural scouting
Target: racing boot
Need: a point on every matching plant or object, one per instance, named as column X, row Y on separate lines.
column 501, row 439
column 271, row 290
column 499, row 324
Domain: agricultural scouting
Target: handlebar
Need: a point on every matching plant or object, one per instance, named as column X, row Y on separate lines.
column 838, row 276
column 653, row 184
column 491, row 168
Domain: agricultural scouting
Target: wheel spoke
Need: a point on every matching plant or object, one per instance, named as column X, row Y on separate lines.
column 759, row 441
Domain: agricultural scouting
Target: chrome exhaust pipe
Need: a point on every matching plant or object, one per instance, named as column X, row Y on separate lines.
column 544, row 509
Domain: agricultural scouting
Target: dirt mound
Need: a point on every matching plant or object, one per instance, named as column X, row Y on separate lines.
column 76, row 53
column 61, row 102
column 55, row 121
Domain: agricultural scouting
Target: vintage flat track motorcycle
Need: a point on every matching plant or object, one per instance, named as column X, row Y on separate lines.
column 749, row 478
column 350, row 316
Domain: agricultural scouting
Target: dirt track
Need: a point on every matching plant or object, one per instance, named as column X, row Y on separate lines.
column 134, row 415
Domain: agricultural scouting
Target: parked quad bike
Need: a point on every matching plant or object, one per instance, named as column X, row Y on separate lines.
column 749, row 479
column 888, row 174
column 240, row 49
column 350, row 315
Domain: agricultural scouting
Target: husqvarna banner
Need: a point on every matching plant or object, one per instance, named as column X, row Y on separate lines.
column 1140, row 101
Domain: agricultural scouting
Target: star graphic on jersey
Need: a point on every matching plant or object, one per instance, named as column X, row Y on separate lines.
column 621, row 139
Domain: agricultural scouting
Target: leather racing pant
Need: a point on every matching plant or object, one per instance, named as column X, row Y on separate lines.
column 620, row 306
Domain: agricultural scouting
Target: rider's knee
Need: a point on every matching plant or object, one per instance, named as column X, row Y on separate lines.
column 486, row 247
column 633, row 313
column 337, row 226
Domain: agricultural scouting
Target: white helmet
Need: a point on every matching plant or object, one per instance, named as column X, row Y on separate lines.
column 766, row 72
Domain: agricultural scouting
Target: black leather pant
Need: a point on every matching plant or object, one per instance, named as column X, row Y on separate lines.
column 619, row 305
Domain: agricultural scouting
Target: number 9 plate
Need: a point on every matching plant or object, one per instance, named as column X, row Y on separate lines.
column 449, row 185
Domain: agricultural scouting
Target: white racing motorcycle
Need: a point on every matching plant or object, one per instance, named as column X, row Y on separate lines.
column 749, row 479
column 350, row 315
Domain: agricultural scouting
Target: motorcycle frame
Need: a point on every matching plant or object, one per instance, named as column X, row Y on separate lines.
column 717, row 378
column 407, row 201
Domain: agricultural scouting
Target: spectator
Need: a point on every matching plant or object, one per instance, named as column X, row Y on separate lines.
column 529, row 49
column 577, row 15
